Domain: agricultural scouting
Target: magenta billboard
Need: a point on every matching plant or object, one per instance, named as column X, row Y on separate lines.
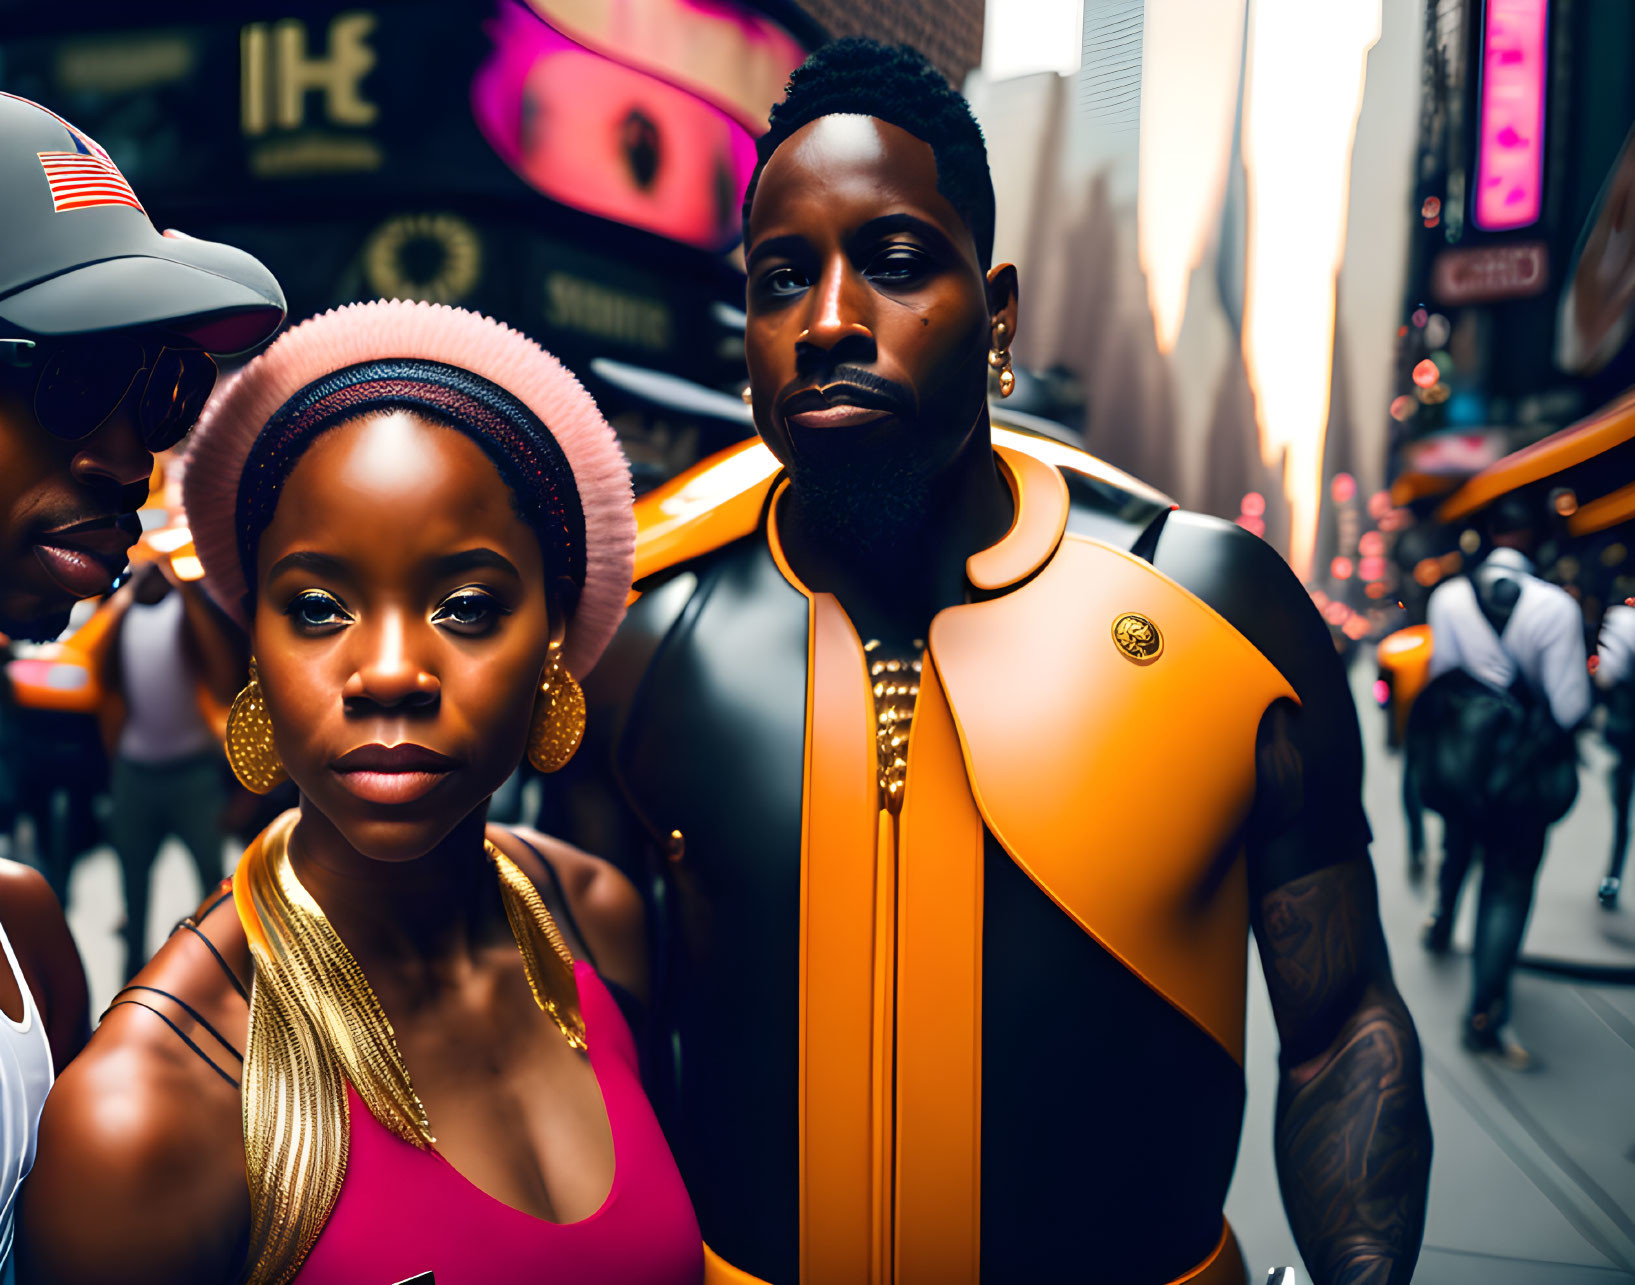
column 1510, row 123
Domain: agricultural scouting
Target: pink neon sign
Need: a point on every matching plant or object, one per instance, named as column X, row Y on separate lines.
column 1510, row 159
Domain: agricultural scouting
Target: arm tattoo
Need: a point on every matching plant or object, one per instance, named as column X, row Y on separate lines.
column 1353, row 1138
column 1314, row 958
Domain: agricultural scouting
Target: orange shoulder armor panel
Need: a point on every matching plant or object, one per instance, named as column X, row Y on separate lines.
column 1117, row 770
column 1062, row 456
column 715, row 502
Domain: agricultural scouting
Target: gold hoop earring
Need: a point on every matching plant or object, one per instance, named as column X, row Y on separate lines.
column 250, row 749
column 558, row 724
column 999, row 357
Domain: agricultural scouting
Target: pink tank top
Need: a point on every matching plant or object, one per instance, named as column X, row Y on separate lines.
column 407, row 1215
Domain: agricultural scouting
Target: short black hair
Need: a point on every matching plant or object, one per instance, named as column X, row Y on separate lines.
column 896, row 84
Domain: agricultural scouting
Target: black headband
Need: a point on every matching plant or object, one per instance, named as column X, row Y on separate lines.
column 510, row 434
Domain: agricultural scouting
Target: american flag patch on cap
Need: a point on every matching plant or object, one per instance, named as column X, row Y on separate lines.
column 83, row 180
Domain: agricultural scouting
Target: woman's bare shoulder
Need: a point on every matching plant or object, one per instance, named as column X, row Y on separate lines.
column 606, row 905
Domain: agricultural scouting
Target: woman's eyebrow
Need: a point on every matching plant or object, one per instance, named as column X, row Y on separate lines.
column 308, row 560
column 452, row 564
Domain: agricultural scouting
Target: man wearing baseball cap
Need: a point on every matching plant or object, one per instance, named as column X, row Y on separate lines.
column 106, row 331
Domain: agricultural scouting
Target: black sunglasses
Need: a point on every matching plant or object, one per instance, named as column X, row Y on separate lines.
column 79, row 383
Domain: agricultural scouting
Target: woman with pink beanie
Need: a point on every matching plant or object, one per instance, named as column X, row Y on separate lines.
column 391, row 1051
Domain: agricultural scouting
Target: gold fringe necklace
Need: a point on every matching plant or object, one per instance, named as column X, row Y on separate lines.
column 316, row 1025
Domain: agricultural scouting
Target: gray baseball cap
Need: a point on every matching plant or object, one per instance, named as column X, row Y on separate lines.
column 79, row 255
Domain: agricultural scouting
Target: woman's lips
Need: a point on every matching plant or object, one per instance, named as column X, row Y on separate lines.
column 843, row 415
column 79, row 573
column 392, row 773
column 390, row 787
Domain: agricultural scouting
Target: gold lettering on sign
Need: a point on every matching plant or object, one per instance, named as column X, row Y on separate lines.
column 252, row 43
column 303, row 155
column 338, row 76
column 279, row 72
column 124, row 64
column 572, row 303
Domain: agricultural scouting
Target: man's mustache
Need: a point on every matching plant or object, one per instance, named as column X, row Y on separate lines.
column 850, row 386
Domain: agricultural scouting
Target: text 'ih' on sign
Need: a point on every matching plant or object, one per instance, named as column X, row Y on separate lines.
column 1484, row 273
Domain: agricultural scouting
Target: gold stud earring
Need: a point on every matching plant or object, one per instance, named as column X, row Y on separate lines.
column 250, row 749
column 999, row 357
column 558, row 724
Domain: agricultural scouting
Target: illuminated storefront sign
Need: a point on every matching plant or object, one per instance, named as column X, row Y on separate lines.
column 1455, row 454
column 1483, row 273
column 1510, row 162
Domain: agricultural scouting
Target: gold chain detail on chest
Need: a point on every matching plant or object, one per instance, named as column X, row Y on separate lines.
column 316, row 1025
column 896, row 682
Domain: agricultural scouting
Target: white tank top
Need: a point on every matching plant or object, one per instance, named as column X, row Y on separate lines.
column 162, row 718
column 25, row 1078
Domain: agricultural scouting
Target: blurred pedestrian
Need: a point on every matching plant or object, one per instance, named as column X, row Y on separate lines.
column 1615, row 676
column 172, row 665
column 1491, row 746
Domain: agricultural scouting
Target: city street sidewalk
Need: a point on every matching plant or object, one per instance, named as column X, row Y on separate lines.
column 1533, row 1181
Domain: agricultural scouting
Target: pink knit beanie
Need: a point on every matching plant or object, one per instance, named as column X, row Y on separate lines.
column 516, row 400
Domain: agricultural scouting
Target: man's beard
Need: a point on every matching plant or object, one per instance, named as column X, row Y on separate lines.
column 865, row 510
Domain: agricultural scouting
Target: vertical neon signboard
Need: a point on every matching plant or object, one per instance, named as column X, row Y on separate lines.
column 1510, row 128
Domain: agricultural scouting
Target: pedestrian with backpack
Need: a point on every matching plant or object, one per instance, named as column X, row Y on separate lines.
column 1490, row 742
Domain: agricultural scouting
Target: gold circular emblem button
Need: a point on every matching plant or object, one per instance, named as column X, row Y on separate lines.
column 1137, row 637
